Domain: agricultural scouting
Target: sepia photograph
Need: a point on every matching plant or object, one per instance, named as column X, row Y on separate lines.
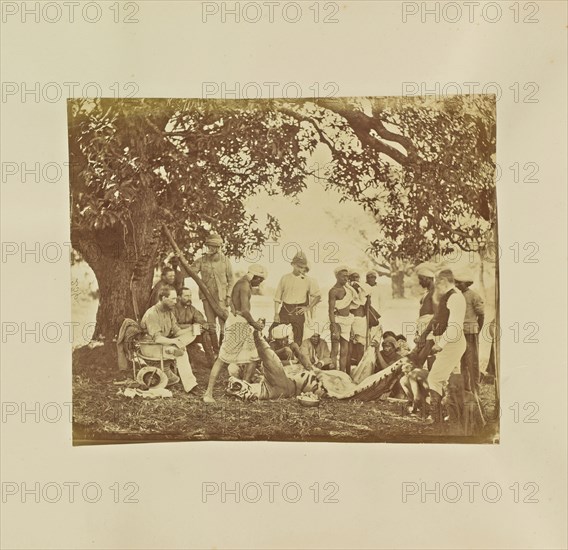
column 275, row 263
column 315, row 269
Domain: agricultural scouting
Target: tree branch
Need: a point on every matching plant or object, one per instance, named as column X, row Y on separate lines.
column 221, row 313
column 361, row 124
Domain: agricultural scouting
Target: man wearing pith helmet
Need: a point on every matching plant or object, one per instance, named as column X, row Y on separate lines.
column 296, row 295
column 217, row 275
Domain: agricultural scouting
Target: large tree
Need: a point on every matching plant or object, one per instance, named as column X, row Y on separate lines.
column 423, row 167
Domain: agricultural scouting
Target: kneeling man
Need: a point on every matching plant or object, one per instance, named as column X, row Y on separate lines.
column 317, row 351
column 287, row 352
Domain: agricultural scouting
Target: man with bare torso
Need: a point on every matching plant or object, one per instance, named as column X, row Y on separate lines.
column 359, row 310
column 342, row 297
column 238, row 344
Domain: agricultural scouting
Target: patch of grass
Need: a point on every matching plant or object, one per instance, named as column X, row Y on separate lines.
column 102, row 415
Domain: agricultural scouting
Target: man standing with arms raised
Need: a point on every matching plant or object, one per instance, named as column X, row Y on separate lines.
column 189, row 316
column 238, row 345
column 296, row 295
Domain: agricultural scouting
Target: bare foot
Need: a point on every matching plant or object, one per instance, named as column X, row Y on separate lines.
column 208, row 398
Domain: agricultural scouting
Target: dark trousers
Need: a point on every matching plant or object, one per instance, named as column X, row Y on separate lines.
column 297, row 321
column 205, row 340
column 470, row 363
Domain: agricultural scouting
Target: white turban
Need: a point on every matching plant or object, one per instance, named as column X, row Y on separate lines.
column 258, row 270
column 341, row 268
column 425, row 272
column 463, row 276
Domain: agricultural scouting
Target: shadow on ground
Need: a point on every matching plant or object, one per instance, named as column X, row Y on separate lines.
column 102, row 416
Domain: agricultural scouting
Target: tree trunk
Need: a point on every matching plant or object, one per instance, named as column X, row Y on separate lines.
column 397, row 278
column 123, row 262
column 115, row 304
column 482, row 276
column 397, row 285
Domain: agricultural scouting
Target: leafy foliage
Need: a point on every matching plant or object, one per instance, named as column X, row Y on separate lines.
column 422, row 167
column 436, row 190
column 200, row 160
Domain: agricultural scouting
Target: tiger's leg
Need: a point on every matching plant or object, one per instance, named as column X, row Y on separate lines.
column 416, row 393
column 249, row 370
column 407, row 389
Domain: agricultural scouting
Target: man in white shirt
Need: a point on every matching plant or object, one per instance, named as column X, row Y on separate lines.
column 296, row 295
column 449, row 338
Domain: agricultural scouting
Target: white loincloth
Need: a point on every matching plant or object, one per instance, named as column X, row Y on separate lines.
column 238, row 342
column 345, row 324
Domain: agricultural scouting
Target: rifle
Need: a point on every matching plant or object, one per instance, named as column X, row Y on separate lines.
column 219, row 311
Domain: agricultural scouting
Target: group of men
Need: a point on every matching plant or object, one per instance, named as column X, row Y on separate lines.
column 450, row 318
column 216, row 273
column 171, row 318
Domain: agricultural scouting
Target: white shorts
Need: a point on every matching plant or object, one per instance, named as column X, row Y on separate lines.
column 360, row 329
column 345, row 325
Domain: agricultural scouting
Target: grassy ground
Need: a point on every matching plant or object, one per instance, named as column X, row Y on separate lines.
column 101, row 415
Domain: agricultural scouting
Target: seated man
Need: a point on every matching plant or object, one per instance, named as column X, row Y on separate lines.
column 317, row 351
column 179, row 274
column 286, row 351
column 187, row 316
column 388, row 355
column 402, row 345
column 160, row 325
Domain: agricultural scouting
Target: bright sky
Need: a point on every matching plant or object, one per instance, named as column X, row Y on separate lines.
column 309, row 227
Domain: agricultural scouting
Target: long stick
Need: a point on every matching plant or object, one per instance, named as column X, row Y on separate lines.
column 368, row 332
column 220, row 312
